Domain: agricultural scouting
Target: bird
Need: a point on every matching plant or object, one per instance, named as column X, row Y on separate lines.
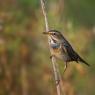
column 61, row 49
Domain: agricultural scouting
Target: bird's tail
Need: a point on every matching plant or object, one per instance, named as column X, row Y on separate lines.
column 81, row 60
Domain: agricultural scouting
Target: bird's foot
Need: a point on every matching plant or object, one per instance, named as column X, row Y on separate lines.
column 57, row 82
column 51, row 56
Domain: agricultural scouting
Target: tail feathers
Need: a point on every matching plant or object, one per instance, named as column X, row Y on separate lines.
column 81, row 60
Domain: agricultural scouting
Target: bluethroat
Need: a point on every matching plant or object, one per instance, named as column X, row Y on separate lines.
column 60, row 48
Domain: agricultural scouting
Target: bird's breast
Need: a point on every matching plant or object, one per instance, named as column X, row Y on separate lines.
column 56, row 50
column 55, row 45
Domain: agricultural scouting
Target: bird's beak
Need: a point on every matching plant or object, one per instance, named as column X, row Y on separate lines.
column 46, row 33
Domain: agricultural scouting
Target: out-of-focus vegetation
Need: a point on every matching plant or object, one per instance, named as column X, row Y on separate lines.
column 25, row 67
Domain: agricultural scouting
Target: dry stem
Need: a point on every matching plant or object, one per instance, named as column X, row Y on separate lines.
column 55, row 67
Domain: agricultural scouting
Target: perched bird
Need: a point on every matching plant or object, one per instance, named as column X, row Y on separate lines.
column 60, row 48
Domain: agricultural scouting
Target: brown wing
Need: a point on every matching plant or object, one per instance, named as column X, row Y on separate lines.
column 69, row 50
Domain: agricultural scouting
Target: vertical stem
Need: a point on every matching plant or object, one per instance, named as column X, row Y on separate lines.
column 55, row 68
column 45, row 15
column 56, row 75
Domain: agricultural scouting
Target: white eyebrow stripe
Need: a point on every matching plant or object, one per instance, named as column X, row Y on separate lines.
column 54, row 37
column 51, row 39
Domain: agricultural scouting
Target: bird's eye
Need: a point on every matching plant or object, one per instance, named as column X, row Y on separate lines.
column 54, row 33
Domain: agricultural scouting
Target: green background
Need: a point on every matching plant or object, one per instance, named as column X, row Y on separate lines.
column 25, row 66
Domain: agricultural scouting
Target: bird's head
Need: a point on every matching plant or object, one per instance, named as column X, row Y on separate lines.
column 54, row 35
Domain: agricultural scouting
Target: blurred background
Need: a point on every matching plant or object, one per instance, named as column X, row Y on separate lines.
column 25, row 66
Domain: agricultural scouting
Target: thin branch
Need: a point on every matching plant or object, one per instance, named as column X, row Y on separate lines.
column 56, row 74
column 55, row 67
column 44, row 13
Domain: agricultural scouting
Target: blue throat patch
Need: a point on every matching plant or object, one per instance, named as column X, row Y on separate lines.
column 55, row 45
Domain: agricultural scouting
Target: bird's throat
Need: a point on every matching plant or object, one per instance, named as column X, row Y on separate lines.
column 52, row 40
